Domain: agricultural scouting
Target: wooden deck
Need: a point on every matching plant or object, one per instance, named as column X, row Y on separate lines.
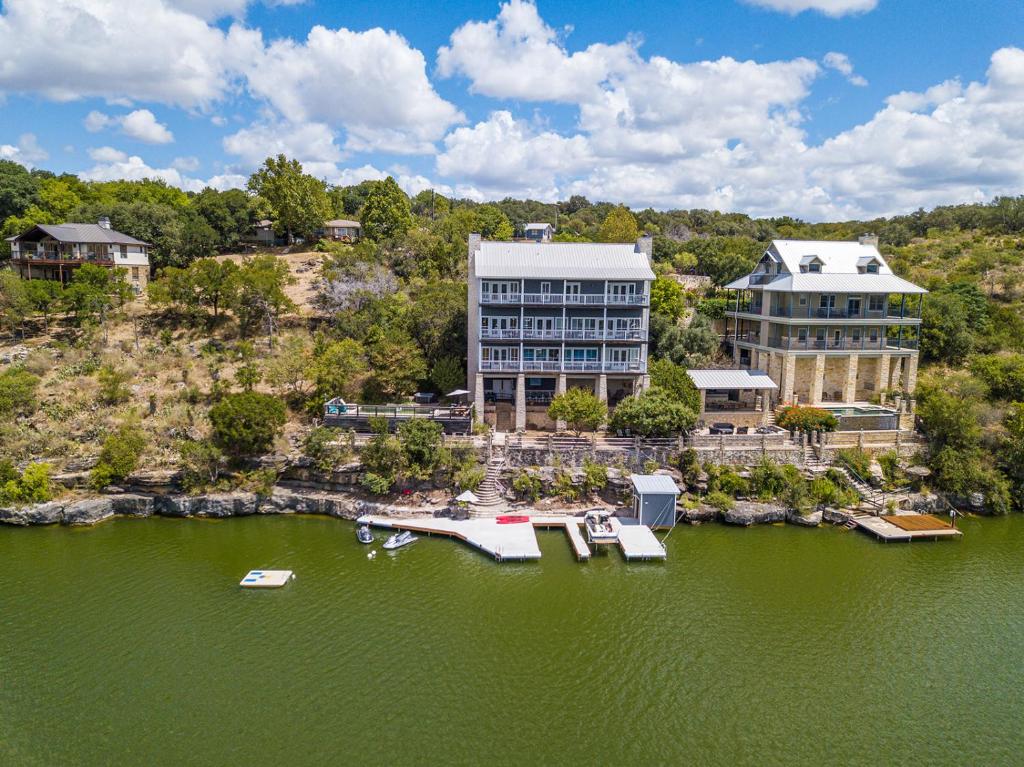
column 907, row 529
column 503, row 542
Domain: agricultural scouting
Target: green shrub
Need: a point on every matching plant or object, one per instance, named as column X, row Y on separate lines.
column 246, row 423
column 200, row 464
column 769, row 480
column 378, row 484
column 112, row 389
column 259, row 481
column 119, row 455
column 856, row 460
column 806, row 419
column 650, row 466
column 689, row 465
column 323, row 447
column 891, row 468
column 724, row 479
column 527, row 486
column 17, row 392
column 565, row 488
column 33, row 486
column 719, row 500
column 580, row 409
column 421, row 444
column 652, row 413
column 470, row 477
column 595, row 476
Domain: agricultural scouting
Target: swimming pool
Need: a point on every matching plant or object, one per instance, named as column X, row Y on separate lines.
column 846, row 411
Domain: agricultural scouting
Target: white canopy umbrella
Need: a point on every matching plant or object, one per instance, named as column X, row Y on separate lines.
column 457, row 393
column 467, row 497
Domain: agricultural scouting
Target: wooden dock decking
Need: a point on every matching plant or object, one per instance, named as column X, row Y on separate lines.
column 886, row 531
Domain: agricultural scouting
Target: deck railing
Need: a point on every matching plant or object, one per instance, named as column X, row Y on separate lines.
column 563, row 334
column 566, row 299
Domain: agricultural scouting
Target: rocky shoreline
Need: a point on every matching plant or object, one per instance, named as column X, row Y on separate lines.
column 90, row 511
column 341, row 505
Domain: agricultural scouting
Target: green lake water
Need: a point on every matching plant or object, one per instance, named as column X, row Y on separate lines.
column 131, row 643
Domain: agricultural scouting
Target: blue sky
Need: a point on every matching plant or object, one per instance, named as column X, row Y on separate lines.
column 816, row 108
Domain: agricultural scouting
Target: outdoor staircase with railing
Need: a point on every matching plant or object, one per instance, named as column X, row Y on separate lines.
column 490, row 491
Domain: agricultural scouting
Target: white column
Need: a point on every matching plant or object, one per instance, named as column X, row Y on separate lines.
column 560, row 425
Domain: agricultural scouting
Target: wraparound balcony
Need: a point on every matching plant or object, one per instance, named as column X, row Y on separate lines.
column 568, row 299
column 563, row 366
column 515, row 334
column 842, row 344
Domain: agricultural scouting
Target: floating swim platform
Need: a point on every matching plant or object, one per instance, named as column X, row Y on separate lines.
column 266, row 579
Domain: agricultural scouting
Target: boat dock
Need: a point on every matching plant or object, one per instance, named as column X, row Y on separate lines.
column 517, row 542
column 265, row 579
column 906, row 527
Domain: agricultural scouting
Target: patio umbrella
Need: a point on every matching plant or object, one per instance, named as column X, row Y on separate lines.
column 457, row 393
column 467, row 497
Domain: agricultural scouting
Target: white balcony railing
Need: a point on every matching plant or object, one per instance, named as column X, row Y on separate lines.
column 558, row 334
column 564, row 366
column 570, row 299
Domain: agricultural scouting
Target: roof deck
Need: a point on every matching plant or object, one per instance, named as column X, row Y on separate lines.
column 455, row 419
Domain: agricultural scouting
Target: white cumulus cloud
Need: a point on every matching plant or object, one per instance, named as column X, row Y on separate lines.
column 26, row 152
column 841, row 63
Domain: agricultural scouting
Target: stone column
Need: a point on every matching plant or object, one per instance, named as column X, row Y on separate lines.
column 882, row 374
column 818, row 380
column 602, row 388
column 560, row 424
column 478, row 397
column 788, row 373
column 911, row 374
column 896, row 373
column 703, row 402
column 850, row 389
column 521, row 402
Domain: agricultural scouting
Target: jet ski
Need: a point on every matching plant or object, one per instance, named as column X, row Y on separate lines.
column 363, row 534
column 398, row 540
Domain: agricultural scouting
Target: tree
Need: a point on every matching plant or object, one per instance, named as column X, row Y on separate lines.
column 338, row 370
column 580, row 409
column 287, row 370
column 215, row 283
column 112, row 389
column 447, row 374
column 652, row 413
column 94, row 290
column 261, row 298
column 618, row 226
column 42, row 296
column 492, row 224
column 299, row 201
column 15, row 305
column 667, row 298
column 675, row 382
column 386, row 214
column 1011, row 453
column 421, row 443
column 691, row 346
column 396, row 366
column 200, row 464
column 246, row 424
column 946, row 329
column 18, row 189
column 33, row 486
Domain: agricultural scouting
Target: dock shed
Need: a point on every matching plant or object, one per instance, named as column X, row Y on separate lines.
column 654, row 500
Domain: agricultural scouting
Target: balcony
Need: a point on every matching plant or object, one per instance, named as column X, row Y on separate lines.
column 571, row 334
column 564, row 366
column 817, row 313
column 569, row 299
column 842, row 344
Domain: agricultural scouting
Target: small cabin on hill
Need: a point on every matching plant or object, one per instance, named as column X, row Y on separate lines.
column 539, row 232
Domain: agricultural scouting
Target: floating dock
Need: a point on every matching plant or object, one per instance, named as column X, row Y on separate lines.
column 638, row 542
column 266, row 579
column 906, row 527
column 516, row 542
column 571, row 525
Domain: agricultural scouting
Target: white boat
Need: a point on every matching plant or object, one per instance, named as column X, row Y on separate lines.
column 363, row 534
column 600, row 528
column 398, row 540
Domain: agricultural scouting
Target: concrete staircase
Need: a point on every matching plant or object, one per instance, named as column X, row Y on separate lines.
column 490, row 491
column 812, row 463
column 872, row 498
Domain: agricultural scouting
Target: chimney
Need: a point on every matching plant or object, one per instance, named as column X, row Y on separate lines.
column 868, row 239
column 104, row 222
column 645, row 245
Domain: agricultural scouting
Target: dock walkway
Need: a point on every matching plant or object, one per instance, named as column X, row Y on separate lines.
column 571, row 525
column 503, row 542
column 640, row 542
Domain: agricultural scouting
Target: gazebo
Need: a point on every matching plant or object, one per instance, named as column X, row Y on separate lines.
column 733, row 392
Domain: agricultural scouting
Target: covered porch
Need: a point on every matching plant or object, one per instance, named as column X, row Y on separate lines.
column 741, row 398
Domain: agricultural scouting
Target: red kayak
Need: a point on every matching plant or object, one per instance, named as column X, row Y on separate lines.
column 511, row 519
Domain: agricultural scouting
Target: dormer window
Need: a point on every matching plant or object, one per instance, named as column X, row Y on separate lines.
column 814, row 268
column 810, row 264
column 868, row 265
column 872, row 268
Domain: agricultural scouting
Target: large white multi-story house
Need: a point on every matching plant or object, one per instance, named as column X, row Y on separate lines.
column 54, row 251
column 545, row 316
column 828, row 322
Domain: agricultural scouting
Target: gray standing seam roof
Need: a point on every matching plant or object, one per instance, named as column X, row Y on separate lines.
column 93, row 233
column 731, row 379
column 562, row 260
column 654, row 483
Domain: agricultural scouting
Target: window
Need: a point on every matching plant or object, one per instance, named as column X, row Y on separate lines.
column 124, row 251
column 876, row 303
column 801, row 335
column 814, row 267
column 572, row 288
column 853, row 306
column 803, row 301
column 545, row 288
column 135, row 273
column 621, row 291
column 623, row 355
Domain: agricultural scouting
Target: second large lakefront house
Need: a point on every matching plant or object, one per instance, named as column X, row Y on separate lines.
column 546, row 316
column 828, row 321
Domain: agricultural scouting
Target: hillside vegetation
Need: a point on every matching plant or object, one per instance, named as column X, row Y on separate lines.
column 381, row 319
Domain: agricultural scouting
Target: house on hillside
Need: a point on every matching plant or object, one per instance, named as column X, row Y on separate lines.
column 547, row 316
column 54, row 251
column 829, row 322
column 539, row 232
column 342, row 229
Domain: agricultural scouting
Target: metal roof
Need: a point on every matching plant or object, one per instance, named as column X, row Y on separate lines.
column 341, row 222
column 832, row 283
column 535, row 225
column 91, row 233
column 731, row 379
column 562, row 260
column 837, row 257
column 650, row 484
